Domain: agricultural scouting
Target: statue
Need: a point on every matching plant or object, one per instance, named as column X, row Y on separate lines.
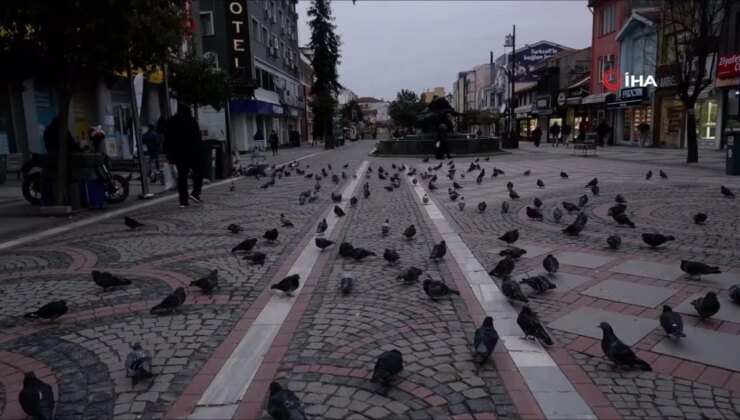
column 437, row 112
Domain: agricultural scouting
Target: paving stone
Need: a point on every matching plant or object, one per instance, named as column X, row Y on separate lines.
column 582, row 259
column 704, row 346
column 377, row 413
column 630, row 293
column 649, row 269
column 585, row 321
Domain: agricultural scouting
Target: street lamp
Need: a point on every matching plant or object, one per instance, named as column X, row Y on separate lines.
column 510, row 41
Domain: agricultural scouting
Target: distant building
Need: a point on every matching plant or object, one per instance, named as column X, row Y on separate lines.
column 346, row 96
column 428, row 95
column 374, row 116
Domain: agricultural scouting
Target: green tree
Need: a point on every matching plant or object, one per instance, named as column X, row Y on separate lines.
column 69, row 44
column 325, row 45
column 405, row 109
column 351, row 112
column 195, row 82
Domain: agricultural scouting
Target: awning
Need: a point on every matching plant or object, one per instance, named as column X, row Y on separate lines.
column 520, row 86
column 573, row 101
column 578, row 83
column 624, row 104
column 267, row 96
column 251, row 106
column 524, row 109
column 598, row 98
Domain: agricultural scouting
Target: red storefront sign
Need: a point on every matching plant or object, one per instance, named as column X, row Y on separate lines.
column 728, row 66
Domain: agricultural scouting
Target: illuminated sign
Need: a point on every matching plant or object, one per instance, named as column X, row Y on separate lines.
column 239, row 56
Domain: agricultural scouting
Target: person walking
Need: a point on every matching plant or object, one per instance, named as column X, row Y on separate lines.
column 274, row 142
column 536, row 136
column 602, row 131
column 554, row 133
column 566, row 132
column 151, row 141
column 441, row 146
column 184, row 148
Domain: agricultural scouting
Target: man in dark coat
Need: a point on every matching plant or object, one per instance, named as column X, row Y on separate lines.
column 184, row 148
column 566, row 132
column 555, row 133
column 602, row 131
column 273, row 139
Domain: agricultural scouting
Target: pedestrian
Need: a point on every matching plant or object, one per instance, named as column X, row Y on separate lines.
column 554, row 133
column 51, row 138
column 440, row 149
column 274, row 142
column 151, row 141
column 602, row 131
column 184, row 148
column 536, row 136
column 566, row 132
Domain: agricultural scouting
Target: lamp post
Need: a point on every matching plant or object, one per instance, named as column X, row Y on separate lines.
column 511, row 42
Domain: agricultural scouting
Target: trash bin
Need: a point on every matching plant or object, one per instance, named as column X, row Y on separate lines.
column 221, row 162
column 209, row 164
column 732, row 163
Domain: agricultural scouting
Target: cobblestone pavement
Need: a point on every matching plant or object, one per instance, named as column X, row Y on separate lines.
column 325, row 350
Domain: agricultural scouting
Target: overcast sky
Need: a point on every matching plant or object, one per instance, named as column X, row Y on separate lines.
column 389, row 45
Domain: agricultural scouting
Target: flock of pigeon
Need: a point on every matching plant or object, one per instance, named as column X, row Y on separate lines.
column 37, row 399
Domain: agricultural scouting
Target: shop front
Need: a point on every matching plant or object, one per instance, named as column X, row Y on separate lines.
column 526, row 120
column 596, row 105
column 727, row 84
column 634, row 115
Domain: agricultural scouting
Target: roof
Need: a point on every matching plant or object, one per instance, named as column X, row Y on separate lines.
column 647, row 17
column 368, row 99
column 579, row 82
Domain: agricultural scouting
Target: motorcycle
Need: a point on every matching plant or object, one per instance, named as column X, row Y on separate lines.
column 116, row 186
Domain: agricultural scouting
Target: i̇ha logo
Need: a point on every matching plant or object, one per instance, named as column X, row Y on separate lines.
column 612, row 80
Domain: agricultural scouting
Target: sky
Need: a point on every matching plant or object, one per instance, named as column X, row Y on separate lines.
column 389, row 45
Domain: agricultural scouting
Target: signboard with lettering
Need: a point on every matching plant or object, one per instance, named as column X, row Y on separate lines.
column 239, row 55
column 728, row 66
column 542, row 105
column 529, row 57
column 628, row 94
column 258, row 150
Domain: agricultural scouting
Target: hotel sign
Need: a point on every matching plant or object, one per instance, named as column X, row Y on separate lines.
column 239, row 55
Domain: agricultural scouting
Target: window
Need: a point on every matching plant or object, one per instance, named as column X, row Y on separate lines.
column 206, row 23
column 273, row 6
column 265, row 35
column 281, row 19
column 607, row 19
column 256, row 32
column 605, row 64
column 284, row 50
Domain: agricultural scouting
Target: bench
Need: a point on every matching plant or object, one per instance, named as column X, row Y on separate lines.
column 584, row 146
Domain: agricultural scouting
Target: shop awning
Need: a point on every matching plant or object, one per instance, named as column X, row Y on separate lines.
column 579, row 83
column 624, row 104
column 524, row 109
column 598, row 98
column 521, row 86
column 573, row 101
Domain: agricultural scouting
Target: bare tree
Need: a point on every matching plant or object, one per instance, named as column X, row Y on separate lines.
column 692, row 29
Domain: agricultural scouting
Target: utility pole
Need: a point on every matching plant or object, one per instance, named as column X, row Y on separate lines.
column 512, row 129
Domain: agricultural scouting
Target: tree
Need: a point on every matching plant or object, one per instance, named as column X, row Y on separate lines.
column 351, row 112
column 194, row 82
column 71, row 43
column 405, row 109
column 325, row 45
column 692, row 29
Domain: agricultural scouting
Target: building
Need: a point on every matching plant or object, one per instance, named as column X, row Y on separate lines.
column 346, row 96
column 727, row 77
column 428, row 95
column 305, row 71
column 375, row 119
column 261, row 52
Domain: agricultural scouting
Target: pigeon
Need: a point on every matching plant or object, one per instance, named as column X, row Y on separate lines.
column 409, row 232
column 700, row 218
column 353, row 201
column 706, row 306
column 727, row 192
column 528, row 172
column 484, row 341
column 36, row 397
column 366, row 193
column 512, row 252
column 614, row 241
column 256, row 258
column 288, row 285
column 346, row 282
column 461, row 204
column 385, row 227
column 410, row 274
column 583, row 201
column 592, row 182
column 436, row 289
column 487, row 158
column 656, row 239
column 698, row 269
column 438, row 251
column 131, row 223
column 513, row 195
column 671, row 322
column 649, row 175
column 595, row 190
column 391, row 256
column 51, row 310
column 479, row 179
column 482, row 206
column 456, row 186
column 322, row 226
column 622, row 220
column 346, row 249
column 531, row 326
column 503, row 268
column 619, row 199
column 540, row 183
column 539, row 284
column 425, row 199
column 335, row 179
column 389, row 188
column 234, row 228
column 232, row 187
column 563, row 175
column 510, row 236
column 207, row 283
column 283, row 404
column 107, row 280
column 557, row 214
column 735, row 293
column 323, row 243
column 616, row 209
column 551, row 264
column 570, row 207
column 618, row 352
column 504, row 207
column 170, row 303
column 139, row 364
column 533, row 213
column 431, row 186
column 512, row 290
column 414, row 181
column 285, row 221
column 361, row 253
column 574, row 229
column 663, row 174
column 270, row 235
column 338, row 211
column 388, row 365
column 537, row 202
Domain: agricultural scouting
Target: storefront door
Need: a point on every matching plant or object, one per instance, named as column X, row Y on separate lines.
column 671, row 123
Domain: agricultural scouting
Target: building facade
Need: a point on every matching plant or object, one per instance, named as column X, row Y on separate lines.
column 727, row 77
column 428, row 95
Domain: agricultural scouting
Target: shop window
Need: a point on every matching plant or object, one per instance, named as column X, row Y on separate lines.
column 706, row 119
